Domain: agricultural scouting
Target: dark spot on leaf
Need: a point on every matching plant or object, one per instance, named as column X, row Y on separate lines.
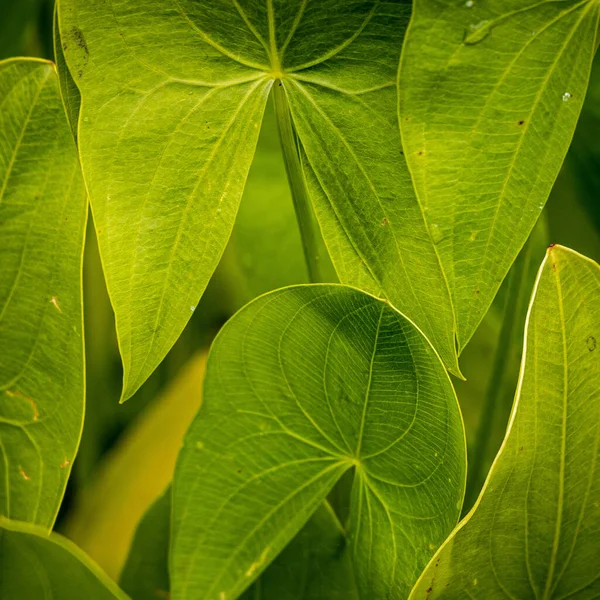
column 384, row 222
column 65, row 46
column 477, row 291
column 428, row 590
column 420, row 153
column 238, row 471
column 80, row 40
column 521, row 122
column 551, row 246
column 591, row 343
column 340, row 547
column 80, row 73
column 521, row 449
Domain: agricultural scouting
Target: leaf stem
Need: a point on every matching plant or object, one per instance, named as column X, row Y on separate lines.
column 302, row 206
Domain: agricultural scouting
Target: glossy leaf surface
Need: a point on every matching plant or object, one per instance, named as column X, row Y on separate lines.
column 490, row 93
column 42, row 219
column 302, row 385
column 534, row 531
column 173, row 96
column 34, row 565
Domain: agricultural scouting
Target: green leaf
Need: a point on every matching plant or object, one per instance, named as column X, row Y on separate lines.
column 314, row 566
column 145, row 575
column 513, row 297
column 302, row 385
column 43, row 212
column 68, row 88
column 173, row 97
column 490, row 93
column 534, row 531
column 35, row 565
column 167, row 132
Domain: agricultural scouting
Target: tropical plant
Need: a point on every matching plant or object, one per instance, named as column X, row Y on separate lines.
column 345, row 200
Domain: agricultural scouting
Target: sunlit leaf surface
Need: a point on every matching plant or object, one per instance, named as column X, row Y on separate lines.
column 490, row 93
column 173, row 97
column 302, row 385
column 534, row 531
column 42, row 219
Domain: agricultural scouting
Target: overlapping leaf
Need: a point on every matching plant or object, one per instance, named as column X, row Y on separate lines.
column 535, row 528
column 173, row 96
column 316, row 565
column 302, row 385
column 135, row 472
column 35, row 565
column 42, row 219
column 490, row 92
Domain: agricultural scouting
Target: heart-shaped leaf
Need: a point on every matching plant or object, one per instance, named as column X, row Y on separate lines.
column 490, row 93
column 173, row 96
column 302, row 385
column 534, row 531
column 43, row 211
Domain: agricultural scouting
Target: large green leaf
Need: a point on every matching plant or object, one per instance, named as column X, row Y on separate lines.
column 42, row 219
column 173, row 96
column 303, row 385
column 534, row 531
column 490, row 92
column 34, row 565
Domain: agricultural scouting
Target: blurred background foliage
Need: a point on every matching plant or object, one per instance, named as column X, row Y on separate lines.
column 128, row 451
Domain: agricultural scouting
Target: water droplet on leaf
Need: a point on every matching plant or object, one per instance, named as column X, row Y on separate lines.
column 566, row 96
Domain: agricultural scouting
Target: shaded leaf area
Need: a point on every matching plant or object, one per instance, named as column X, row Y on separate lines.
column 135, row 471
column 43, row 212
column 68, row 88
column 533, row 533
column 490, row 93
column 315, row 565
column 173, row 96
column 496, row 399
column 145, row 575
column 35, row 565
column 302, row 385
column 25, row 28
column 265, row 250
column 583, row 160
